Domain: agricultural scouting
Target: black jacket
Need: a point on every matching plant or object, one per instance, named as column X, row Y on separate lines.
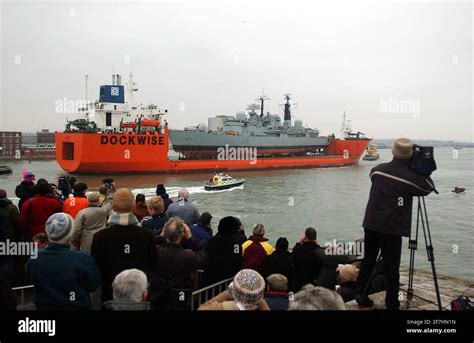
column 279, row 262
column 225, row 257
column 9, row 220
column 8, row 300
column 173, row 269
column 24, row 191
column 329, row 263
column 166, row 201
column 121, row 247
column 389, row 209
column 305, row 264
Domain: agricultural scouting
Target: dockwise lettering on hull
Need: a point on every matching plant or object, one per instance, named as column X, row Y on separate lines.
column 131, row 140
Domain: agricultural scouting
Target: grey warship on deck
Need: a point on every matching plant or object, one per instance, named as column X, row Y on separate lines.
column 262, row 131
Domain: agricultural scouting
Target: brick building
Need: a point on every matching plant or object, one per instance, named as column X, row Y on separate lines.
column 10, row 143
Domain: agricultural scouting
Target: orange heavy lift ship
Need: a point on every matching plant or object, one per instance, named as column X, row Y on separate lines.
column 115, row 136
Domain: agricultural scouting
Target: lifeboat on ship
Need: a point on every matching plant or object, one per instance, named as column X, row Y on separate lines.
column 150, row 122
column 129, row 125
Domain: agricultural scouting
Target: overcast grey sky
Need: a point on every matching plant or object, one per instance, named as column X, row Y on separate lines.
column 398, row 69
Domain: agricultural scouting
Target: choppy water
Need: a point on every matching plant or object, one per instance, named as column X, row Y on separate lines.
column 333, row 200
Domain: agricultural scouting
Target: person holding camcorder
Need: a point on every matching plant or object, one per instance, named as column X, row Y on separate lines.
column 388, row 218
column 107, row 190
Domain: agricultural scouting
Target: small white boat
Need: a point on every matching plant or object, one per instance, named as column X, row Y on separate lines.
column 222, row 181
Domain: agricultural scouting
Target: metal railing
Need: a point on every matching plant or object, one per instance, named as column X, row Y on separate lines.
column 198, row 297
column 21, row 290
column 202, row 295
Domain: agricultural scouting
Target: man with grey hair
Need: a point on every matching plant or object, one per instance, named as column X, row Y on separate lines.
column 312, row 298
column 184, row 209
column 130, row 291
column 171, row 280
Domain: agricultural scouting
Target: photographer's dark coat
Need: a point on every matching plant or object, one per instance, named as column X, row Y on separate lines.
column 173, row 269
column 25, row 190
column 389, row 209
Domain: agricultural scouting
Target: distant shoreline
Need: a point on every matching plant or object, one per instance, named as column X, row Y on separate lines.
column 387, row 143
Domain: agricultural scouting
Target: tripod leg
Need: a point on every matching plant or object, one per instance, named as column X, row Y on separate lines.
column 430, row 253
column 413, row 246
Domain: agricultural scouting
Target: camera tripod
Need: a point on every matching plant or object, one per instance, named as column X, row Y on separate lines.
column 422, row 218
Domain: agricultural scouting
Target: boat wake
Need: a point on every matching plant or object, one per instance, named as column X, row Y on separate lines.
column 173, row 191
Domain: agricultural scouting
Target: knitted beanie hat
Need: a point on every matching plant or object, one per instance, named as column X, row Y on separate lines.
column 27, row 176
column 248, row 287
column 59, row 226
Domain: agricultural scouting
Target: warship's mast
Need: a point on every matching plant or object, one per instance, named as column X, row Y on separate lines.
column 262, row 99
column 287, row 117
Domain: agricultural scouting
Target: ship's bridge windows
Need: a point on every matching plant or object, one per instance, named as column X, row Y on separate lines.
column 68, row 151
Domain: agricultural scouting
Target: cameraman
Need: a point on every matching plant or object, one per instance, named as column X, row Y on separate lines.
column 66, row 184
column 388, row 218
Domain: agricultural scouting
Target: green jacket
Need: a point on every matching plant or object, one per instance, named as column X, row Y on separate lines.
column 9, row 220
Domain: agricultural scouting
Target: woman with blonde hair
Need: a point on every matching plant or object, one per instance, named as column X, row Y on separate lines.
column 157, row 218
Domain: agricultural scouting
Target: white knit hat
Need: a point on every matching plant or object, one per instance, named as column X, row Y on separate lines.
column 248, row 287
column 59, row 226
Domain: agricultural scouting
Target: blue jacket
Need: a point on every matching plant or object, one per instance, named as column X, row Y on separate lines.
column 201, row 232
column 155, row 223
column 277, row 301
column 62, row 278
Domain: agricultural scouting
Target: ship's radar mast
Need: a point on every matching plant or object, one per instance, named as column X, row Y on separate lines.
column 252, row 108
column 287, row 112
column 262, row 100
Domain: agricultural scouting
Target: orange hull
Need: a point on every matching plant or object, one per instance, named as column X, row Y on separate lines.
column 99, row 153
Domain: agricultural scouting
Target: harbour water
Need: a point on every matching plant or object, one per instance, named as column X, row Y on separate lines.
column 332, row 200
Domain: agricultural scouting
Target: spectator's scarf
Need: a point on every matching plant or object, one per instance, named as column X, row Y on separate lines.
column 122, row 219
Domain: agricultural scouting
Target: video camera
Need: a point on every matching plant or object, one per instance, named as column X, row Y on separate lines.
column 109, row 185
column 65, row 185
column 422, row 161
